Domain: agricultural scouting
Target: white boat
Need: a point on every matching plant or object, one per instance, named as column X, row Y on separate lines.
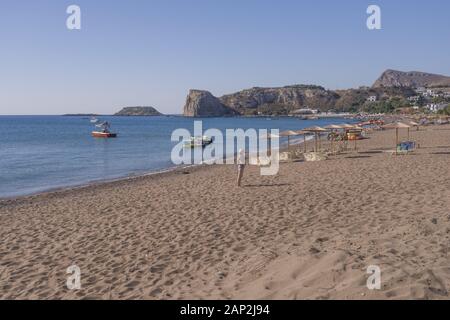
column 198, row 142
column 104, row 133
column 94, row 120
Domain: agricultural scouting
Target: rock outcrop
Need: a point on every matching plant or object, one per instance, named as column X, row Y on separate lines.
column 412, row 79
column 200, row 103
column 259, row 100
column 138, row 111
column 282, row 99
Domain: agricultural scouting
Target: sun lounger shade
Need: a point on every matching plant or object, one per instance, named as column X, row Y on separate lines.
column 397, row 125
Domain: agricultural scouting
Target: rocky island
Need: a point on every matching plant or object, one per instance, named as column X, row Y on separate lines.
column 138, row 111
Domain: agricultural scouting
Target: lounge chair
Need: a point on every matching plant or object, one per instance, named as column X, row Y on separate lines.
column 291, row 155
column 405, row 147
column 315, row 156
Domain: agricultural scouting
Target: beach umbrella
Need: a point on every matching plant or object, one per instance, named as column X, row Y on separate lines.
column 288, row 134
column 269, row 138
column 412, row 124
column 317, row 131
column 357, row 128
column 397, row 126
column 408, row 126
column 301, row 132
column 346, row 127
column 333, row 127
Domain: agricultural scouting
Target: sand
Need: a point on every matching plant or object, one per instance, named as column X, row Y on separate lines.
column 308, row 233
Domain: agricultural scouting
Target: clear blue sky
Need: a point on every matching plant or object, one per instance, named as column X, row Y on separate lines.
column 152, row 52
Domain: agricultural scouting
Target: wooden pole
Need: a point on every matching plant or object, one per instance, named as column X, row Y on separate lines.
column 396, row 141
column 332, row 138
column 315, row 142
column 304, row 142
column 289, row 142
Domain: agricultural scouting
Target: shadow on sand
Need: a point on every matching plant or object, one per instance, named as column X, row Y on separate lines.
column 266, row 185
column 357, row 157
column 371, row 152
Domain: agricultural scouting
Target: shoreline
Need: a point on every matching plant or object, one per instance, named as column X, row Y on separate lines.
column 129, row 176
column 68, row 179
column 99, row 183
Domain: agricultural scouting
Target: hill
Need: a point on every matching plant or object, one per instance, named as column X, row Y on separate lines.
column 413, row 79
column 138, row 111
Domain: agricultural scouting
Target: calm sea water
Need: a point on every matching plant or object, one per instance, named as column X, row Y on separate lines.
column 39, row 153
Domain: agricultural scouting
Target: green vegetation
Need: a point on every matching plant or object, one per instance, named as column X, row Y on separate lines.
column 385, row 106
column 438, row 100
column 305, row 86
column 445, row 111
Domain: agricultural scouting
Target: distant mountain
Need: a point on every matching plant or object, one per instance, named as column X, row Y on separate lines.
column 413, row 79
column 138, row 111
column 284, row 100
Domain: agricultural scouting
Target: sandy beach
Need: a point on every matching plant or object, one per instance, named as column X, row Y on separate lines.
column 308, row 233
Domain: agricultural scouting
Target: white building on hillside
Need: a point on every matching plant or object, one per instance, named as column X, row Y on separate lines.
column 414, row 98
column 305, row 111
column 372, row 98
column 421, row 90
column 434, row 107
column 431, row 93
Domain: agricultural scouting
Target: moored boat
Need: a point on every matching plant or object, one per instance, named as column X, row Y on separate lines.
column 198, row 142
column 98, row 134
column 105, row 133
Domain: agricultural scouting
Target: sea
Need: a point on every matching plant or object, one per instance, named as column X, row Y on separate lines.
column 41, row 153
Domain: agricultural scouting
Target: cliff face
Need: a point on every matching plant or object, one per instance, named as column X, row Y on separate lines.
column 414, row 79
column 286, row 98
column 264, row 100
column 201, row 103
column 138, row 111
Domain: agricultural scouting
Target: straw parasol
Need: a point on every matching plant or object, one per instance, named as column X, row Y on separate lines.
column 269, row 137
column 397, row 126
column 333, row 127
column 412, row 124
column 356, row 127
column 346, row 126
column 317, row 131
column 288, row 134
column 304, row 133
